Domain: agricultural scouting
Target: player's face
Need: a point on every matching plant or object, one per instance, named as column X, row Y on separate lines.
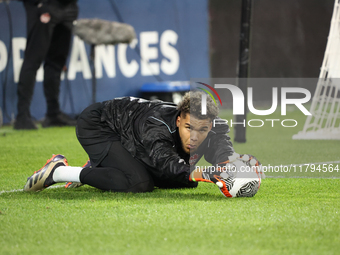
column 192, row 131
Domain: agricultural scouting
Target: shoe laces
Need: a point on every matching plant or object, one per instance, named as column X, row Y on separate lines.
column 48, row 161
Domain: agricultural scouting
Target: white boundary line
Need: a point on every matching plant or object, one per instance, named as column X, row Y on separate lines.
column 306, row 177
column 318, row 163
column 17, row 190
column 267, row 176
column 299, row 177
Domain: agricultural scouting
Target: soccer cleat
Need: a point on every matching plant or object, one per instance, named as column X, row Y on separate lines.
column 42, row 178
column 70, row 185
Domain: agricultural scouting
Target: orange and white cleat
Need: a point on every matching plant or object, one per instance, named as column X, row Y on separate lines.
column 70, row 185
column 42, row 178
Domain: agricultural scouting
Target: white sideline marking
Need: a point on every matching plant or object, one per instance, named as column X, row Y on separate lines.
column 300, row 177
column 267, row 176
column 17, row 190
column 318, row 163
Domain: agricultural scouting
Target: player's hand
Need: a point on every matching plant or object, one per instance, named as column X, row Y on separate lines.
column 248, row 159
column 224, row 173
column 218, row 175
column 252, row 161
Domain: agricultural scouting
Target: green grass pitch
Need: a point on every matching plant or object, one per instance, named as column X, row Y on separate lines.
column 286, row 216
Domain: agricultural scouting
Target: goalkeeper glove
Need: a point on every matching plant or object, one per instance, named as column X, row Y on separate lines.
column 221, row 173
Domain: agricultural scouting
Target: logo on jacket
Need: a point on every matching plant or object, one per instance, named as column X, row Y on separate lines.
column 193, row 159
column 45, row 17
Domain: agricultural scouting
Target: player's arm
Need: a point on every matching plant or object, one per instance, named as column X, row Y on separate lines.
column 159, row 145
column 219, row 147
column 168, row 162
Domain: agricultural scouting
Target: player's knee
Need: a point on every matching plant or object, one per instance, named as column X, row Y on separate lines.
column 145, row 186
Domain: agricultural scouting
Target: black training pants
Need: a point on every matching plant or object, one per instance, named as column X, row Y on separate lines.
column 119, row 171
column 113, row 167
column 48, row 42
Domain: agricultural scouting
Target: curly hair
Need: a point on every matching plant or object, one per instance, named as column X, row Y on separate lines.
column 192, row 104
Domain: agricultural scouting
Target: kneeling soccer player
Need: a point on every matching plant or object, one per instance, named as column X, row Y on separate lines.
column 135, row 144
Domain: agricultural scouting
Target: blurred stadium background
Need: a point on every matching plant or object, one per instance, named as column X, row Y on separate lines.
column 177, row 40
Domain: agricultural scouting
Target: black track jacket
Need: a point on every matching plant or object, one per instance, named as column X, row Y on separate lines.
column 148, row 130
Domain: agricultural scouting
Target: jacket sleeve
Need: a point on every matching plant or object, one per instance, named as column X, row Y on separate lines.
column 163, row 158
column 218, row 147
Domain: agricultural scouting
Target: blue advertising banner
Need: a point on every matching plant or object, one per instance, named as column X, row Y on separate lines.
column 172, row 44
